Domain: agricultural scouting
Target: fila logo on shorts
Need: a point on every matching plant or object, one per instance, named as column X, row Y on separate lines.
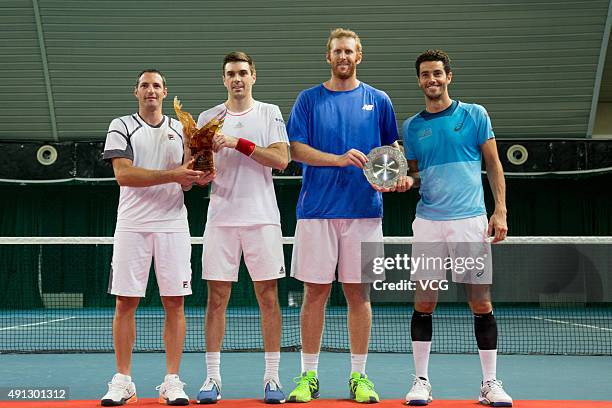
column 186, row 284
column 367, row 107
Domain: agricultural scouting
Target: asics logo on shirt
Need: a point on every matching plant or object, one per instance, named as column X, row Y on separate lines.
column 367, row 107
column 458, row 126
column 424, row 133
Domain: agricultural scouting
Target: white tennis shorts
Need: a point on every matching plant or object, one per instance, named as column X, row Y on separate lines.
column 458, row 245
column 262, row 246
column 322, row 244
column 132, row 253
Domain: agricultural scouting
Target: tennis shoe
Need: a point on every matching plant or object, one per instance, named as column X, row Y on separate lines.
column 121, row 391
column 171, row 391
column 420, row 393
column 210, row 392
column 307, row 387
column 492, row 393
column 273, row 394
column 362, row 389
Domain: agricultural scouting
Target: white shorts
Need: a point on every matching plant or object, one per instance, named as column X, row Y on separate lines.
column 132, row 253
column 459, row 245
column 321, row 244
column 262, row 246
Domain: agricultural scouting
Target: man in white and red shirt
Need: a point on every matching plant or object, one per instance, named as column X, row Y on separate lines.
column 146, row 150
column 243, row 219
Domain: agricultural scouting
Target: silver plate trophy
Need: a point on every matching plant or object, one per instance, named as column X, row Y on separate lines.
column 385, row 165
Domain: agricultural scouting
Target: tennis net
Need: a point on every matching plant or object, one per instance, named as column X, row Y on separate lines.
column 552, row 295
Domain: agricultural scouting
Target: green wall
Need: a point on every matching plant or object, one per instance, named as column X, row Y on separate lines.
column 532, row 64
column 572, row 207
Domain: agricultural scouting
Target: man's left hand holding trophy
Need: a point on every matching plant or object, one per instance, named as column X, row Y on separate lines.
column 199, row 143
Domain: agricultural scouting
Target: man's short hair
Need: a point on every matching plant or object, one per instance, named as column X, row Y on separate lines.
column 152, row 71
column 343, row 33
column 238, row 56
column 433, row 55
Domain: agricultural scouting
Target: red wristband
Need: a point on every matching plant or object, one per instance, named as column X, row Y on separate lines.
column 245, row 147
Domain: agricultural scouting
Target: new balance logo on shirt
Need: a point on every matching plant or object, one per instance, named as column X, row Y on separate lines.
column 367, row 107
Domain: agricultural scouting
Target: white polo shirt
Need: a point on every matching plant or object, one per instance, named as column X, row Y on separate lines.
column 157, row 208
column 243, row 192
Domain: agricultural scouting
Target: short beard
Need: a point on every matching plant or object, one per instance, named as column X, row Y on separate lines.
column 344, row 75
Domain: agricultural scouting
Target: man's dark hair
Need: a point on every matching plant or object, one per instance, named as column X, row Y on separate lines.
column 152, row 71
column 238, row 56
column 433, row 55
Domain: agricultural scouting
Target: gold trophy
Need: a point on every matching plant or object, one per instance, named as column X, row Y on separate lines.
column 200, row 140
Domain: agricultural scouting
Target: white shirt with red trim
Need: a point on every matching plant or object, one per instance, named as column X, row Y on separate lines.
column 157, row 208
column 243, row 191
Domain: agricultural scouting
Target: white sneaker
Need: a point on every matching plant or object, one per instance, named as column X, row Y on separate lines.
column 492, row 393
column 121, row 391
column 210, row 392
column 420, row 393
column 171, row 391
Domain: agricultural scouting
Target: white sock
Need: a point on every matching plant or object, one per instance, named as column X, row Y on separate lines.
column 171, row 377
column 488, row 362
column 310, row 362
column 122, row 378
column 213, row 366
column 272, row 363
column 420, row 353
column 358, row 363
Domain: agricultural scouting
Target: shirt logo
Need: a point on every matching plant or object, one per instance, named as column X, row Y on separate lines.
column 279, row 120
column 170, row 136
column 367, row 107
column 458, row 126
column 239, row 125
column 424, row 133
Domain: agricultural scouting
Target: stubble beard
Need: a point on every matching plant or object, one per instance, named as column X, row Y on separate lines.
column 346, row 74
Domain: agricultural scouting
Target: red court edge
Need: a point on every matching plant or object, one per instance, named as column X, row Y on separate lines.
column 245, row 403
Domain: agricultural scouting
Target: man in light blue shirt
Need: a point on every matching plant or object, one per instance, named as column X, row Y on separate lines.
column 444, row 145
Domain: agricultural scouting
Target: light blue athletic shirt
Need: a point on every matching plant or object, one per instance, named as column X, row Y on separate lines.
column 335, row 122
column 447, row 147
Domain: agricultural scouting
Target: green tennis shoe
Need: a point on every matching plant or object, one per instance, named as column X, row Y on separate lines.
column 362, row 389
column 307, row 388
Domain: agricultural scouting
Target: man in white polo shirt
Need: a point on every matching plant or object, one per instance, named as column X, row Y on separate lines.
column 243, row 218
column 146, row 150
